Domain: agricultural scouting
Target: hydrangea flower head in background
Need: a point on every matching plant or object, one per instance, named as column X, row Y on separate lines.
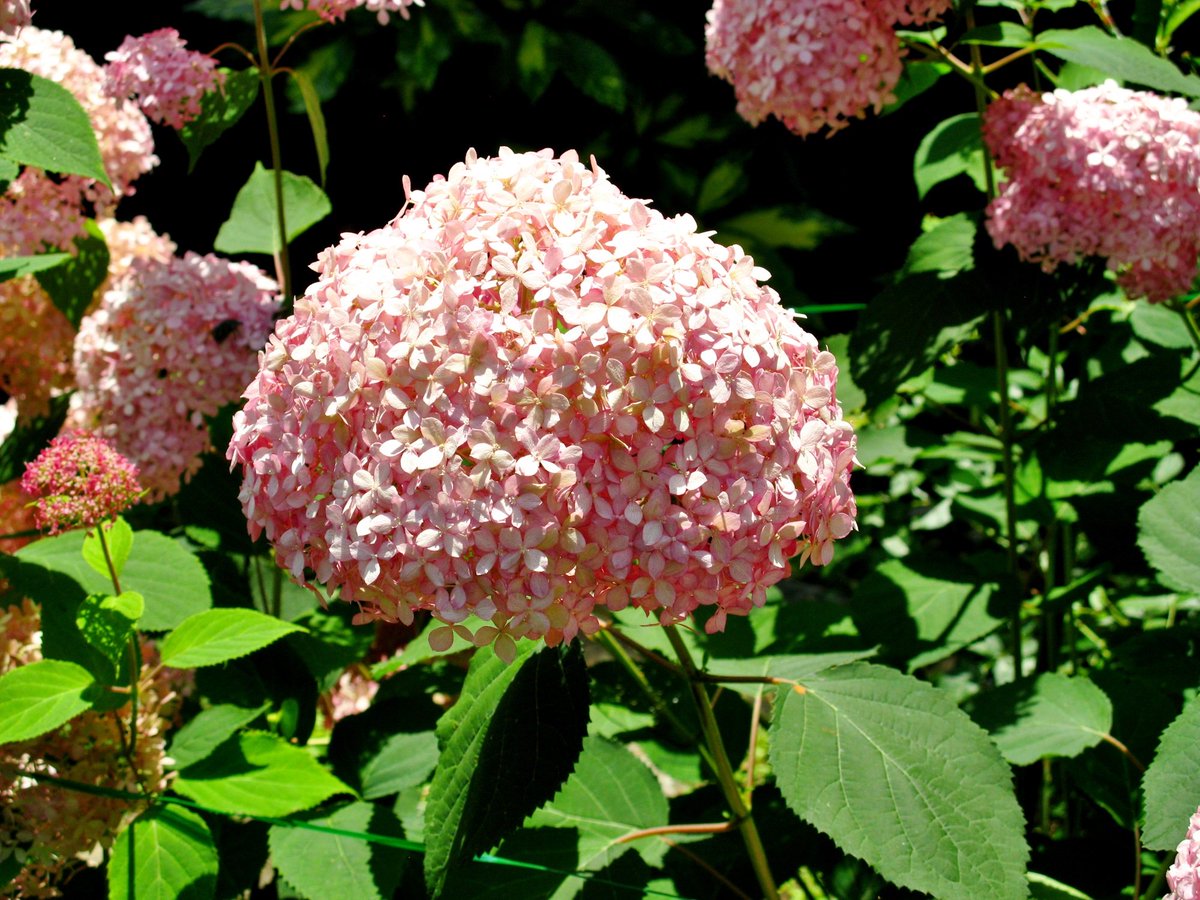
column 165, row 77
column 335, row 10
column 529, row 395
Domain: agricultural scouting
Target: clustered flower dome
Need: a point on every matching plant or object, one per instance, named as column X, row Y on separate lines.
column 529, row 395
column 335, row 10
column 167, row 79
column 79, row 481
column 1183, row 878
column 812, row 64
column 169, row 344
column 1104, row 172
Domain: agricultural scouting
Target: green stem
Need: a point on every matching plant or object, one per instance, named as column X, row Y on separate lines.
column 266, row 72
column 723, row 770
column 1189, row 321
column 135, row 661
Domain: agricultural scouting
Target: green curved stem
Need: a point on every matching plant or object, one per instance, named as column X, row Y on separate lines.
column 283, row 268
column 135, row 661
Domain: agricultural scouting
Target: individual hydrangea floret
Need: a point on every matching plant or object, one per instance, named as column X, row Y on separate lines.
column 528, row 396
column 335, row 10
column 167, row 79
column 14, row 15
column 812, row 64
column 80, row 481
column 1105, row 172
column 1183, row 878
column 169, row 345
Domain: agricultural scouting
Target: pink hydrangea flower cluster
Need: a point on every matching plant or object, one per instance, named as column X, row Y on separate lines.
column 1183, row 878
column 335, row 10
column 812, row 64
column 35, row 347
column 14, row 15
column 1105, row 172
column 169, row 344
column 529, row 395
column 80, row 481
column 350, row 695
column 167, row 78
column 52, row 831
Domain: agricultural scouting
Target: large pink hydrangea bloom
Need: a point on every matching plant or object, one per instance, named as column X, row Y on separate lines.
column 169, row 344
column 167, row 79
column 812, row 64
column 1183, row 878
column 1105, row 172
column 529, row 395
column 335, row 10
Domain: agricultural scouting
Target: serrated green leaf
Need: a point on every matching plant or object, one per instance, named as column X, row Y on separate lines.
column 219, row 111
column 311, row 861
column 252, row 226
column 953, row 147
column 897, row 775
column 1051, row 715
column 19, row 266
column 28, row 439
column 106, row 622
column 258, row 774
column 166, row 853
column 405, row 760
column 208, row 730
column 218, row 635
column 999, row 34
column 43, row 125
column 119, row 538
column 1172, row 782
column 169, row 577
column 532, row 709
column 948, row 247
column 39, row 697
column 610, row 794
column 1121, row 58
column 316, row 118
column 73, row 284
column 1155, row 323
column 592, row 69
column 1169, row 532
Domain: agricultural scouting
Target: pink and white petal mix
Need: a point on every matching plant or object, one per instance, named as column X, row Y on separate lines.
column 529, row 395
column 1183, row 878
column 79, row 481
column 167, row 79
column 14, row 15
column 1105, row 172
column 335, row 10
column 812, row 64
column 170, row 343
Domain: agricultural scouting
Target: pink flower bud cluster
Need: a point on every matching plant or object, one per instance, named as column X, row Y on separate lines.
column 1183, row 878
column 1104, row 172
column 335, row 10
column 80, row 481
column 169, row 344
column 167, row 79
column 50, row 830
column 529, row 395
column 14, row 15
column 812, row 64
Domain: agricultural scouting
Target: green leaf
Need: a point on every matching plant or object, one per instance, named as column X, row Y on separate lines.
column 897, row 775
column 258, row 774
column 19, row 266
column 535, row 59
column 73, row 284
column 419, row 651
column 208, row 730
column 1172, row 782
column 918, row 77
column 311, row 861
column 592, row 69
column 41, row 696
column 785, row 226
column 1156, row 324
column 29, row 439
column 252, row 226
column 1180, row 13
column 507, row 716
column 330, row 644
column 218, row 635
column 1169, row 533
column 106, row 622
column 170, row 578
column 166, row 853
column 1043, row 887
column 316, row 119
column 1121, row 58
column 219, row 111
column 1051, row 715
column 999, row 34
column 948, row 247
column 725, row 181
column 610, row 794
column 43, row 125
column 405, row 760
column 953, row 147
column 119, row 537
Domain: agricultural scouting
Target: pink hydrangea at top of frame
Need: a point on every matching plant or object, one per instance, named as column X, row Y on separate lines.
column 79, row 481
column 14, row 15
column 1183, row 878
column 1104, row 172
column 812, row 64
column 169, row 344
column 335, row 10
column 167, row 78
column 529, row 395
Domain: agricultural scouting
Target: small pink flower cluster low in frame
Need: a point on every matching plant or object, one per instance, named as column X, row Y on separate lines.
column 165, row 77
column 812, row 64
column 169, row 344
column 1105, row 172
column 1183, row 878
column 80, row 481
column 530, row 395
column 335, row 10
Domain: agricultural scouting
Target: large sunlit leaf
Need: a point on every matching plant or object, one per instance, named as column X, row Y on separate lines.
column 1169, row 532
column 208, row 730
column 18, row 266
column 41, row 696
column 953, row 147
column 897, row 775
column 253, row 226
column 118, row 538
column 106, row 622
column 1171, row 784
column 166, row 853
column 218, row 635
column 43, row 125
column 405, row 760
column 1121, row 58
